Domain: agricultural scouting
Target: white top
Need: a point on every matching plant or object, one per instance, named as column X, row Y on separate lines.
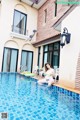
column 50, row 72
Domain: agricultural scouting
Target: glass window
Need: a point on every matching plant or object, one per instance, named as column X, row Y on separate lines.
column 55, row 13
column 19, row 23
column 46, row 48
column 39, row 50
column 51, row 54
column 56, row 46
column 45, row 15
column 55, row 58
column 45, row 58
column 27, row 60
column 13, row 62
column 50, row 47
column 10, row 59
column 50, row 58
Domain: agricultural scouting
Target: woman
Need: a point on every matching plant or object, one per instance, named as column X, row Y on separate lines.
column 49, row 75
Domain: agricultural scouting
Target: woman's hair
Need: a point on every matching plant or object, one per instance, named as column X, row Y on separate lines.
column 46, row 66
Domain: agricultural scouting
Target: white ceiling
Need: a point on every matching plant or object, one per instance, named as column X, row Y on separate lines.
column 37, row 6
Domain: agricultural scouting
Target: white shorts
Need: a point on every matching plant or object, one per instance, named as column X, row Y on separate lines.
column 47, row 79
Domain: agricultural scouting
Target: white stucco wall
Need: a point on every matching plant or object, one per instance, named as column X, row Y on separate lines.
column 6, row 22
column 69, row 53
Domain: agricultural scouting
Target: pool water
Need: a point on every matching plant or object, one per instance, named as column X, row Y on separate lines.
column 23, row 99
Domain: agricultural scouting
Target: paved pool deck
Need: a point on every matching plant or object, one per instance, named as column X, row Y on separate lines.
column 60, row 85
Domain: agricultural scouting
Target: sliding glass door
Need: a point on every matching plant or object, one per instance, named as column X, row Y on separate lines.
column 27, row 60
column 10, row 59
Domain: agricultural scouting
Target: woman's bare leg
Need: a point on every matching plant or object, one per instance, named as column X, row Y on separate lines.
column 51, row 81
column 42, row 81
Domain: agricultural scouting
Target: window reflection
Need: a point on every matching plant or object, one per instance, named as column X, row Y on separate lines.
column 51, row 54
column 19, row 24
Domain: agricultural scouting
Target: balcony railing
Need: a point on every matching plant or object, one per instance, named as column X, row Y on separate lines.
column 18, row 30
column 18, row 33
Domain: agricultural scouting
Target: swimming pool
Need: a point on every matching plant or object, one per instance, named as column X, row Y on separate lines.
column 23, row 99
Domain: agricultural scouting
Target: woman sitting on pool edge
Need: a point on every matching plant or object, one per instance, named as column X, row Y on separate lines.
column 48, row 75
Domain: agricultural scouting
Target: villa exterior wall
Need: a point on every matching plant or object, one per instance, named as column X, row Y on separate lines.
column 6, row 22
column 45, row 30
column 69, row 54
column 77, row 77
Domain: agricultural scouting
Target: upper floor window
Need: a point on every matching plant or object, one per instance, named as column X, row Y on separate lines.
column 55, row 12
column 19, row 23
column 71, row 1
column 45, row 15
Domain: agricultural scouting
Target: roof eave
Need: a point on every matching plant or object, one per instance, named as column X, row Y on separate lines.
column 59, row 21
column 47, row 41
column 32, row 4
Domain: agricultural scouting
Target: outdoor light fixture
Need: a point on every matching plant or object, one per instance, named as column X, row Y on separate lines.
column 31, row 36
column 65, row 37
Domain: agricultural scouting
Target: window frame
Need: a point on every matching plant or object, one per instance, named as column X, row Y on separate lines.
column 53, row 50
column 55, row 12
column 10, row 57
column 45, row 16
column 39, row 53
column 26, row 56
column 14, row 21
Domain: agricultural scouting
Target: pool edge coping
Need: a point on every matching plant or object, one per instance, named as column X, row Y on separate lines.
column 67, row 88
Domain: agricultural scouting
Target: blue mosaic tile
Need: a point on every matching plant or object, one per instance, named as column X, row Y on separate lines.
column 44, row 118
column 24, row 99
column 12, row 117
column 17, row 118
column 27, row 119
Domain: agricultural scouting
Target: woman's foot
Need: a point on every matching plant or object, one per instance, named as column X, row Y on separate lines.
column 39, row 82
